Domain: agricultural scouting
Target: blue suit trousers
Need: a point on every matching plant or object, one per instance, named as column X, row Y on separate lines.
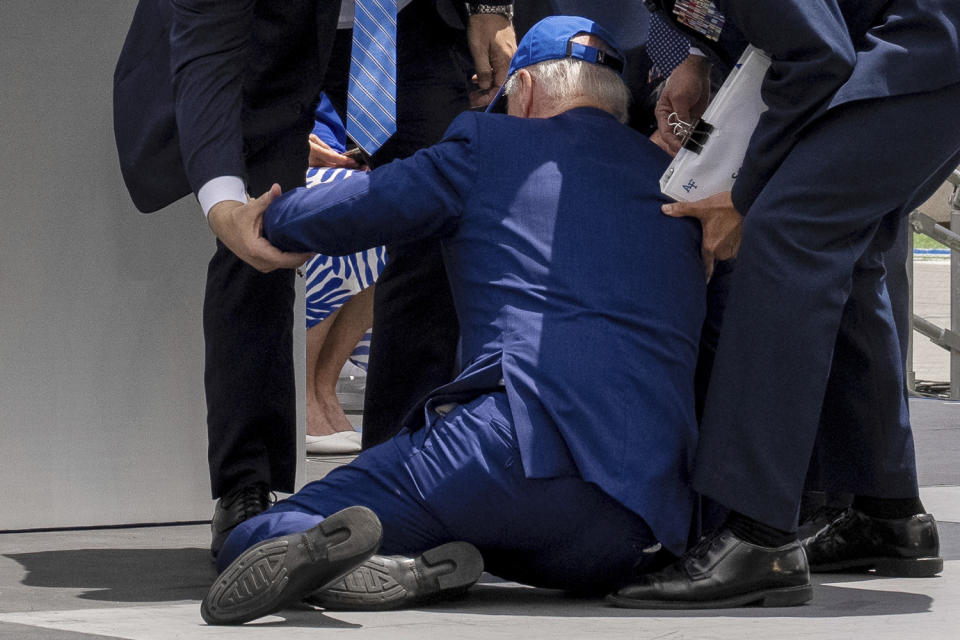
column 461, row 478
column 809, row 330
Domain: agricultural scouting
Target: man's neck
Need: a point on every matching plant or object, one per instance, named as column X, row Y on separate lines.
column 549, row 111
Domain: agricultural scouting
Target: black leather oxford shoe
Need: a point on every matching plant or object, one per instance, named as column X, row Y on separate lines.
column 905, row 547
column 723, row 571
column 232, row 509
column 280, row 571
column 818, row 520
column 393, row 582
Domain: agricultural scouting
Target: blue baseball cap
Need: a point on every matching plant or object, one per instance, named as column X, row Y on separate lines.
column 551, row 39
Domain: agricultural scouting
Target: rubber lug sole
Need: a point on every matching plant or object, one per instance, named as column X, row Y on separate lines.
column 392, row 582
column 277, row 572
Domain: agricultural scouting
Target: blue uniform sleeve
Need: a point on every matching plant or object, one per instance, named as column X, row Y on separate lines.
column 208, row 42
column 812, row 57
column 405, row 200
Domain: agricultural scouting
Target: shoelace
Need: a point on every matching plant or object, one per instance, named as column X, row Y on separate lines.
column 841, row 527
column 252, row 499
column 826, row 514
column 705, row 545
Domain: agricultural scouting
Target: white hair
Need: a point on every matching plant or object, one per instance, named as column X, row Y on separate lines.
column 564, row 79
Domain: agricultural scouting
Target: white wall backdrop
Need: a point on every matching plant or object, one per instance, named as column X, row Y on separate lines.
column 101, row 366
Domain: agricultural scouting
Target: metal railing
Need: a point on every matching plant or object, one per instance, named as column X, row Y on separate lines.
column 947, row 338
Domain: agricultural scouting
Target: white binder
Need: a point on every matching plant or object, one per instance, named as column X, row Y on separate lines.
column 714, row 147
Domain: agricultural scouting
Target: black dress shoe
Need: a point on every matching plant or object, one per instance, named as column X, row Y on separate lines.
column 392, row 582
column 276, row 572
column 819, row 519
column 723, row 571
column 232, row 509
column 905, row 547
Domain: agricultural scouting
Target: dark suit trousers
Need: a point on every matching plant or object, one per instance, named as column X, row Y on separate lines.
column 809, row 323
column 415, row 329
column 248, row 336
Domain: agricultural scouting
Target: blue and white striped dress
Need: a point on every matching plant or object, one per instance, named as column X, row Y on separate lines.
column 331, row 280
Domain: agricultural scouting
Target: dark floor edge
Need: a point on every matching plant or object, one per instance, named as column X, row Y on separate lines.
column 97, row 527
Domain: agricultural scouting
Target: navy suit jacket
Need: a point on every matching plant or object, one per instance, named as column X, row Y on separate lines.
column 202, row 87
column 571, row 287
column 830, row 52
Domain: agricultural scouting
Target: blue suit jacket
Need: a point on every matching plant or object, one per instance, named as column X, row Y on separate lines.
column 830, row 52
column 569, row 284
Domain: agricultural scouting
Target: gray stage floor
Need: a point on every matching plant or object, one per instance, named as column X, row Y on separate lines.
column 146, row 584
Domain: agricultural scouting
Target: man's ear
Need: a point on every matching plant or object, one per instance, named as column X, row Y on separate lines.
column 521, row 100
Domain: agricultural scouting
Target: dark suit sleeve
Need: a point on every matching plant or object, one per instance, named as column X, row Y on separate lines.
column 812, row 57
column 208, row 42
column 402, row 201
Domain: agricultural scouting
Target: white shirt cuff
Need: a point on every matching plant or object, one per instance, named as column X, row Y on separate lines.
column 219, row 189
column 697, row 52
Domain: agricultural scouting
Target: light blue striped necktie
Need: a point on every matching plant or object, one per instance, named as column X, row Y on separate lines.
column 372, row 97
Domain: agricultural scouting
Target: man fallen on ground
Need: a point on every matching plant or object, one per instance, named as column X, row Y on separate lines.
column 560, row 454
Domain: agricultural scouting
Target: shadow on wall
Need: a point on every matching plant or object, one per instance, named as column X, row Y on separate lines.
column 122, row 575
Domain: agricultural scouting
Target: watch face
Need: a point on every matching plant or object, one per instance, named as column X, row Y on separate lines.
column 700, row 15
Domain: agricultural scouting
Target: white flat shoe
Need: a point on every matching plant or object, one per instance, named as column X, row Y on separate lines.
column 339, row 442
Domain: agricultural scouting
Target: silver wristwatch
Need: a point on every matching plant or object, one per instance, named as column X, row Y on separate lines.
column 505, row 10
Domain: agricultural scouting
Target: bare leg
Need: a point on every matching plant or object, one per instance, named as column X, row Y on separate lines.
column 329, row 344
column 316, row 336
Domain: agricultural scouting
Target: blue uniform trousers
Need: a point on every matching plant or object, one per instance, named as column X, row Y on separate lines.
column 809, row 323
column 461, row 478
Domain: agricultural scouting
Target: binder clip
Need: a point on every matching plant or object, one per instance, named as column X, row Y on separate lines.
column 692, row 136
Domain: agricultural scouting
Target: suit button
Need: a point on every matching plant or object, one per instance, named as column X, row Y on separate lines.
column 297, row 107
